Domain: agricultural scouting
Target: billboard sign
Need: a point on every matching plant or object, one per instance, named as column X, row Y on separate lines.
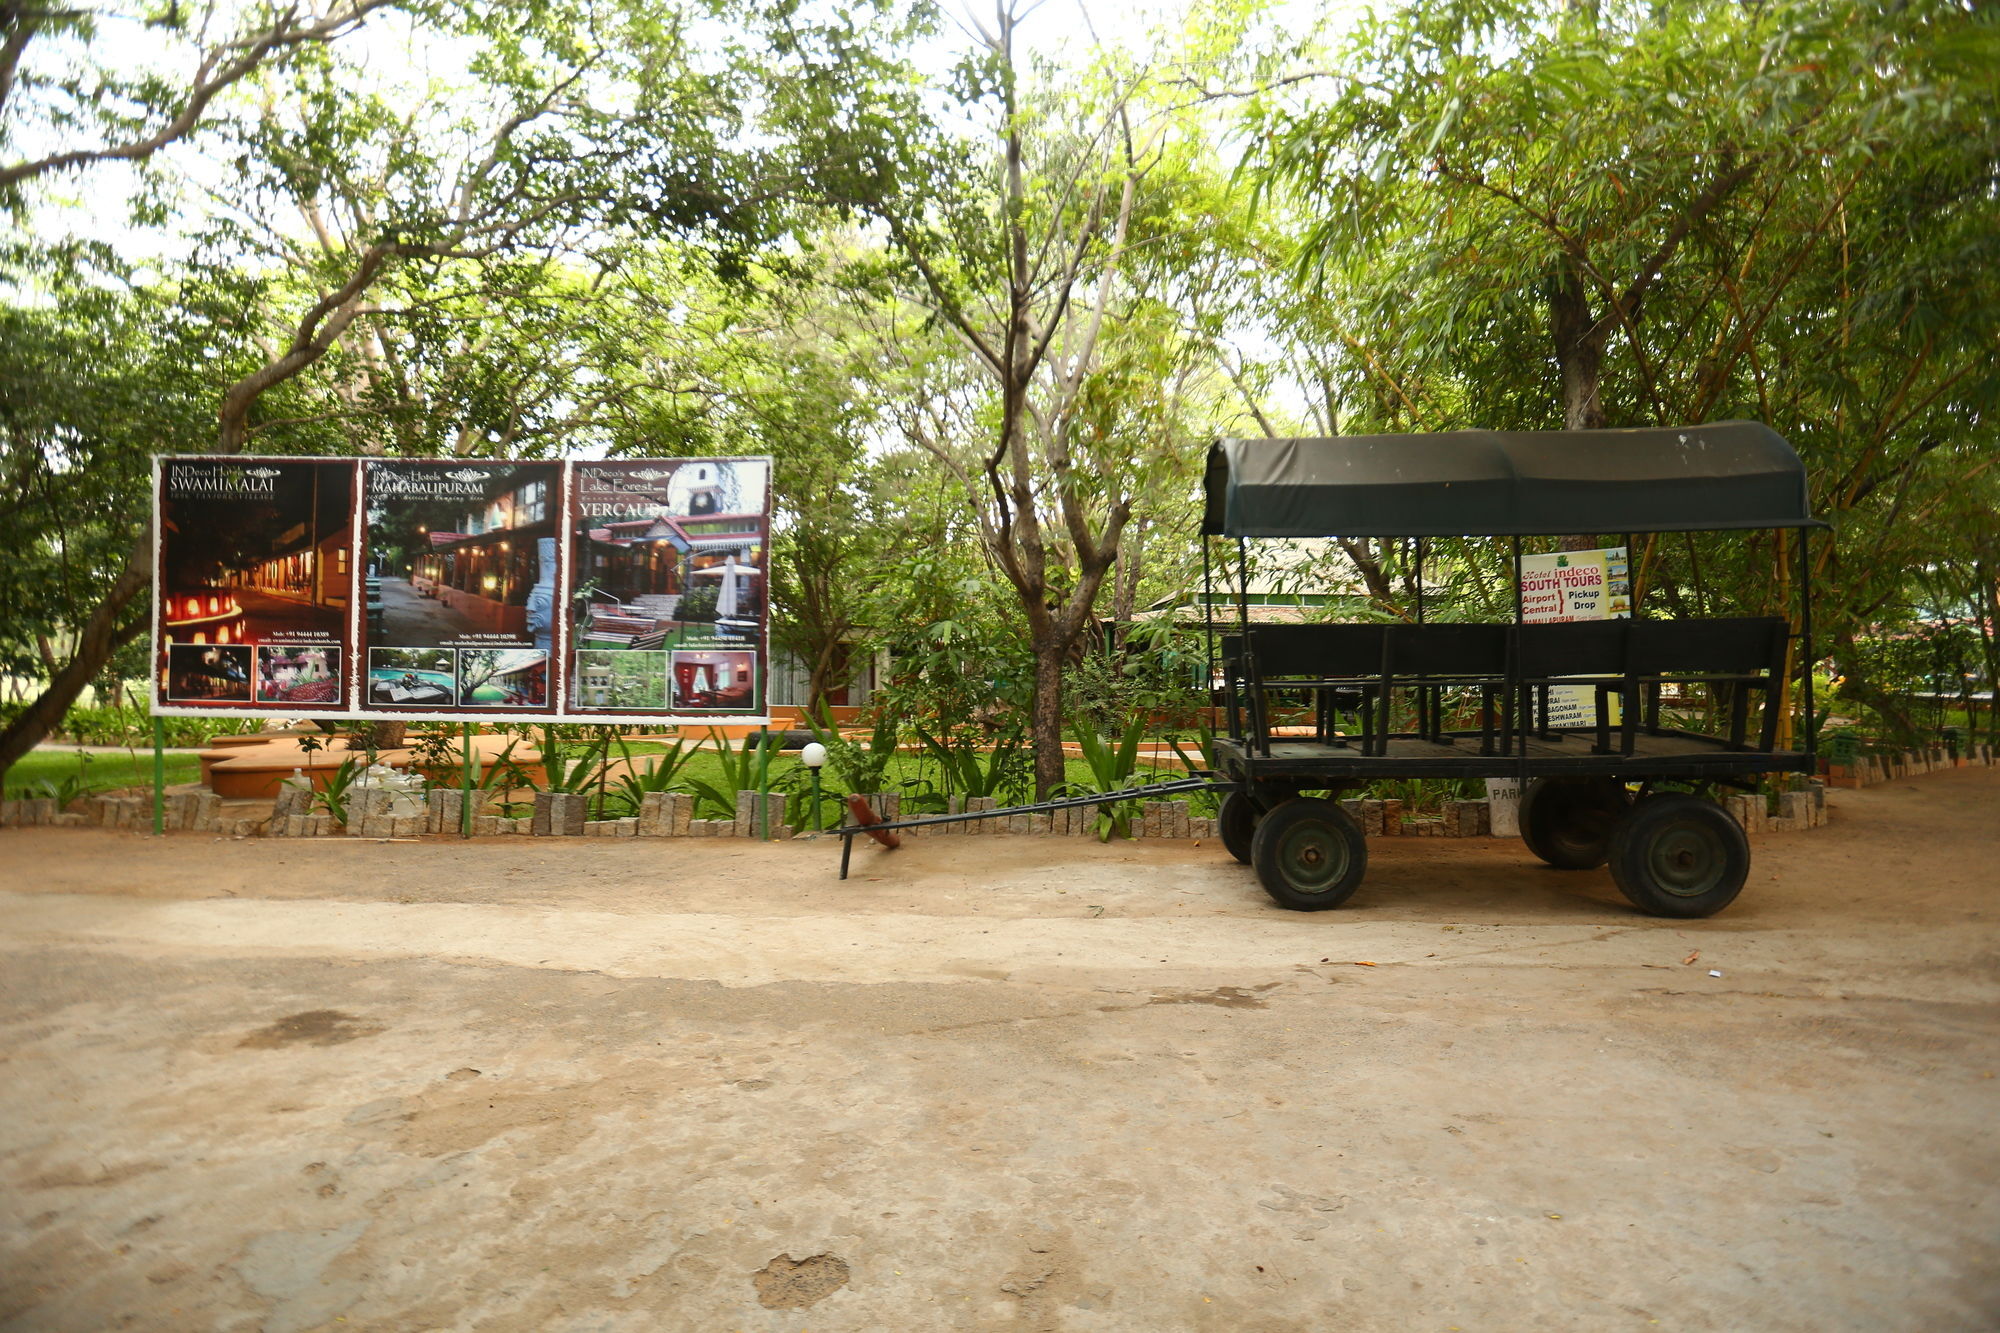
column 253, row 585
column 467, row 589
column 669, row 597
column 462, row 571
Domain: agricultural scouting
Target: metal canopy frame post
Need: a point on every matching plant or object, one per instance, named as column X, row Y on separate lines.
column 1513, row 724
column 1811, row 747
column 1255, row 703
column 1243, row 588
column 1208, row 631
column 1631, row 582
column 1430, row 703
column 1420, row 580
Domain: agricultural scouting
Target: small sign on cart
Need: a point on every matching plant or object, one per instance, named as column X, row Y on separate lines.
column 1576, row 585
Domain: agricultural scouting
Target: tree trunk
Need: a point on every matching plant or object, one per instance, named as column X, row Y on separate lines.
column 1579, row 345
column 1362, row 553
column 1125, row 580
column 1986, row 601
column 829, row 665
column 1046, row 716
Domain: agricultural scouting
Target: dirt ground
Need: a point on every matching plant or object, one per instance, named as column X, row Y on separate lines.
column 997, row 1084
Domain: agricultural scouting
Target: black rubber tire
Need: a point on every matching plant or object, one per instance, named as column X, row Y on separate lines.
column 1568, row 822
column 1236, row 824
column 1677, row 855
column 1309, row 854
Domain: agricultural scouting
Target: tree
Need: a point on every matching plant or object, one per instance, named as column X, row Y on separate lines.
column 1023, row 257
column 1645, row 215
column 573, row 125
column 111, row 116
column 90, row 387
column 768, row 362
column 829, row 546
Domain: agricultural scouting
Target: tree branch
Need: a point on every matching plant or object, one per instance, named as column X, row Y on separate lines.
column 220, row 68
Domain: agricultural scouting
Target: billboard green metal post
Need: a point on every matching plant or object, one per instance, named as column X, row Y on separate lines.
column 159, row 776
column 465, row 805
column 764, row 783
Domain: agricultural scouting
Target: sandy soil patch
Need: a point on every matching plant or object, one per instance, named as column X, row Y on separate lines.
column 996, row 1084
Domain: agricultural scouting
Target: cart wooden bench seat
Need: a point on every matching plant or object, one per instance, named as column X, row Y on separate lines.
column 1512, row 668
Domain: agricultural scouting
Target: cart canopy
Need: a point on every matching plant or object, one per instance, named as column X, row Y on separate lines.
column 1475, row 483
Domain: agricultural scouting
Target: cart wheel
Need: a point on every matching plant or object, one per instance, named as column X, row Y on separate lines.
column 1309, row 854
column 1236, row 824
column 1568, row 821
column 1678, row 855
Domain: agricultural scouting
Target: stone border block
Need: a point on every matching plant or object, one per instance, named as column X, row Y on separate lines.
column 655, row 818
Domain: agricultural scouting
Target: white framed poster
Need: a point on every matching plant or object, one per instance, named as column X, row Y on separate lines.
column 488, row 590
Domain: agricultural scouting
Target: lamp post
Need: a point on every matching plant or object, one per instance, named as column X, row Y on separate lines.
column 813, row 756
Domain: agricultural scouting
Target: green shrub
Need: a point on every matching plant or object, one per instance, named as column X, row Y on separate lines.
column 133, row 726
column 1114, row 766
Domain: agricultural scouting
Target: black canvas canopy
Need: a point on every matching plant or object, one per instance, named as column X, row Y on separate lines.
column 1728, row 474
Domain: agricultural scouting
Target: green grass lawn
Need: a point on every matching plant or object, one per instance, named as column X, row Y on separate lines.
column 100, row 772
